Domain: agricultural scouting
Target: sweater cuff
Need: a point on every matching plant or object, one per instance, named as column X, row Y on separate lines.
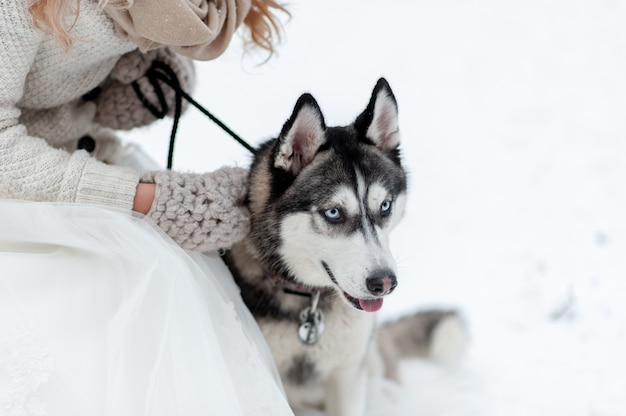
column 103, row 184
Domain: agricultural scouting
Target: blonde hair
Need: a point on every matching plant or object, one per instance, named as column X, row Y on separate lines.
column 263, row 27
column 49, row 16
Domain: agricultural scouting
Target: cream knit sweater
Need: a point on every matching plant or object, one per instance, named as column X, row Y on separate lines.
column 42, row 113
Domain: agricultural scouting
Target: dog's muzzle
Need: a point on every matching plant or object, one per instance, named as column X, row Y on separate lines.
column 380, row 283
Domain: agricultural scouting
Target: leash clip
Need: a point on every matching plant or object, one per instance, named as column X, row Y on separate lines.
column 311, row 322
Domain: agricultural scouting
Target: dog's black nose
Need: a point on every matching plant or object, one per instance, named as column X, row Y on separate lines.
column 381, row 282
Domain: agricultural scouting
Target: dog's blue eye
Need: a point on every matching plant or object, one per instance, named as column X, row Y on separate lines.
column 333, row 214
column 385, row 207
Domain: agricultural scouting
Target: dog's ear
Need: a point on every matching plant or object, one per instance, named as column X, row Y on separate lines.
column 379, row 122
column 301, row 136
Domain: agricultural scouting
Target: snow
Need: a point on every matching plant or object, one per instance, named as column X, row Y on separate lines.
column 513, row 120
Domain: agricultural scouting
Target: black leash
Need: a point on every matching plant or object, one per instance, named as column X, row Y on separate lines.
column 161, row 72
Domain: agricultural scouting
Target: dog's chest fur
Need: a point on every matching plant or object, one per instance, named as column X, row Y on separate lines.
column 307, row 369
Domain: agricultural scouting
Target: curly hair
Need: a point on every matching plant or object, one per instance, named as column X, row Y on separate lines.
column 263, row 27
column 49, row 16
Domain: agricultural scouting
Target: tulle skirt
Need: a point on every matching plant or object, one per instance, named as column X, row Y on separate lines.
column 102, row 314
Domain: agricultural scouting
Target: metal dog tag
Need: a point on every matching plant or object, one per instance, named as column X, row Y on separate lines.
column 311, row 326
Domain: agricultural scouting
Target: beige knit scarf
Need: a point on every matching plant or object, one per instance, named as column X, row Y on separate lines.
column 199, row 29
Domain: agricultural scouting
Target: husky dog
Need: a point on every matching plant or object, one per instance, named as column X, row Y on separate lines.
column 316, row 265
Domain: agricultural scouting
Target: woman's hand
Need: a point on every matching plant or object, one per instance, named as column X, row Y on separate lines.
column 144, row 197
column 201, row 212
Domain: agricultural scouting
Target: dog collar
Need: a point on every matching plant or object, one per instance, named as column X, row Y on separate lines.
column 311, row 318
column 289, row 286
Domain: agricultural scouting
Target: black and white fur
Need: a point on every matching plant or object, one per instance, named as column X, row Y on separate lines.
column 323, row 201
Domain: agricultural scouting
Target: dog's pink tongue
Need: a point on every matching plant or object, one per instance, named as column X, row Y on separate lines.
column 371, row 305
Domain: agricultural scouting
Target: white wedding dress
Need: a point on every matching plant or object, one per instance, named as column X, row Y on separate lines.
column 102, row 314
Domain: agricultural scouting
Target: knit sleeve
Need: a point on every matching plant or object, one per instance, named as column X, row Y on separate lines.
column 29, row 167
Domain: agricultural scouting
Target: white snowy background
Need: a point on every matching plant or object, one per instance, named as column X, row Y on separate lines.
column 513, row 115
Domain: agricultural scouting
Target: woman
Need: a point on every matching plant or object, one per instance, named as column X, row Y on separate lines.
column 102, row 310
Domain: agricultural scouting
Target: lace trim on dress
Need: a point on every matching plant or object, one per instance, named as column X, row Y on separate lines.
column 26, row 365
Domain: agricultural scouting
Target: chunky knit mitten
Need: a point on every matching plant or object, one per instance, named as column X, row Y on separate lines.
column 201, row 212
column 119, row 107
